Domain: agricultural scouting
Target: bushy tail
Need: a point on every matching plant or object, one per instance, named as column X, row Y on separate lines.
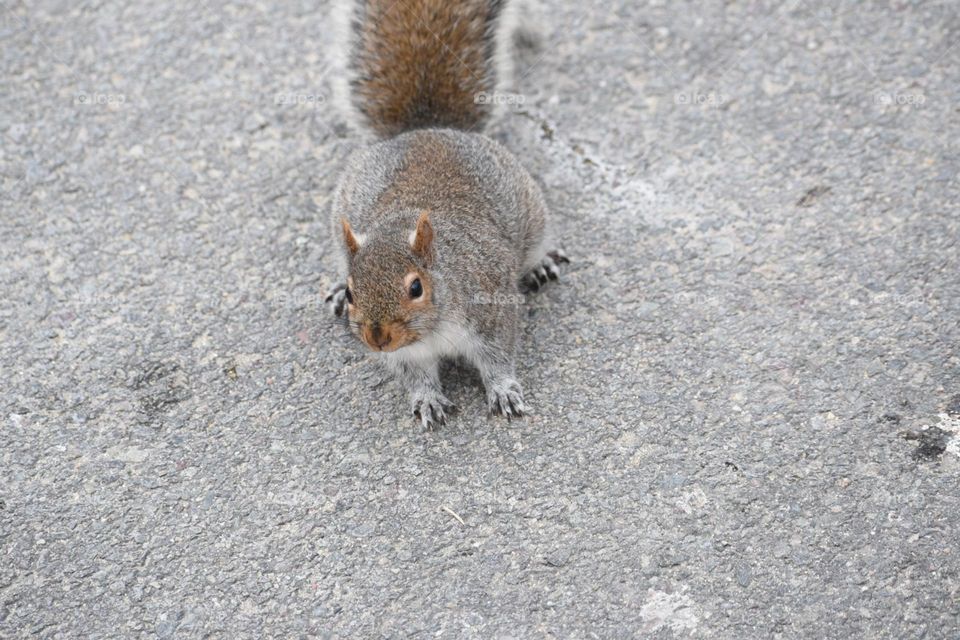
column 410, row 64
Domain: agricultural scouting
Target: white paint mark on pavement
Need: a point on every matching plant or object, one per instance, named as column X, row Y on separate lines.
column 674, row 610
column 951, row 424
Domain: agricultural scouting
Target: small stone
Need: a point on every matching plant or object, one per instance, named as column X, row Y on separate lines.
column 649, row 397
column 646, row 309
column 166, row 628
column 558, row 558
column 363, row 530
column 254, row 122
column 953, row 407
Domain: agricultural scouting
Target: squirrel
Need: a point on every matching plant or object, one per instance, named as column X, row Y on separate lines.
column 439, row 227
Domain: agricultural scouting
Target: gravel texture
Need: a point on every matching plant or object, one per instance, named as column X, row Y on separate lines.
column 746, row 388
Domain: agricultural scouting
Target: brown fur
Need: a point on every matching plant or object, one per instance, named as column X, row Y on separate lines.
column 382, row 312
column 433, row 172
column 423, row 63
column 348, row 238
column 423, row 239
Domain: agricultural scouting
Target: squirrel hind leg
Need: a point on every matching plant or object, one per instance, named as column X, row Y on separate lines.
column 544, row 271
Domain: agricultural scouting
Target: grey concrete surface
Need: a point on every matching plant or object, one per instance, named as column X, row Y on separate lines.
column 746, row 390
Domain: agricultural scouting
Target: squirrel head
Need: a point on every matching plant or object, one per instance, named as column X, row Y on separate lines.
column 390, row 290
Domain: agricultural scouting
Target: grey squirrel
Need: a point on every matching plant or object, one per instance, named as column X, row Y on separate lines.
column 440, row 227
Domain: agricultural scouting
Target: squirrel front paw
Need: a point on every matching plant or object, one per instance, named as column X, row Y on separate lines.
column 505, row 397
column 336, row 299
column 431, row 409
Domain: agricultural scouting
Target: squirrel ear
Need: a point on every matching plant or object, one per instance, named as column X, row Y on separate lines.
column 421, row 240
column 353, row 244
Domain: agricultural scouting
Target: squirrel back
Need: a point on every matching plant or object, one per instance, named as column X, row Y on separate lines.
column 418, row 64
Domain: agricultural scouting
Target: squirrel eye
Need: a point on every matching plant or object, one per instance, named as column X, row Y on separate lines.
column 349, row 296
column 416, row 289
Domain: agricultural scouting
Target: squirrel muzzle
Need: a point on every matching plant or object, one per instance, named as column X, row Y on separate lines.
column 389, row 337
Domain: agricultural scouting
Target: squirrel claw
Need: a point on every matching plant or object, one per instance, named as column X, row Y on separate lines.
column 547, row 269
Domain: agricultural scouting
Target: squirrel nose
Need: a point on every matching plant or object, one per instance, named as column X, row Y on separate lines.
column 379, row 337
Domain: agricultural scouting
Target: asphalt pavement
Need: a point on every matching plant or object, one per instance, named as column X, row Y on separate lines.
column 745, row 390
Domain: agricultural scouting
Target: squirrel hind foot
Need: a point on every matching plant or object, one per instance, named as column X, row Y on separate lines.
column 336, row 300
column 558, row 256
column 544, row 271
